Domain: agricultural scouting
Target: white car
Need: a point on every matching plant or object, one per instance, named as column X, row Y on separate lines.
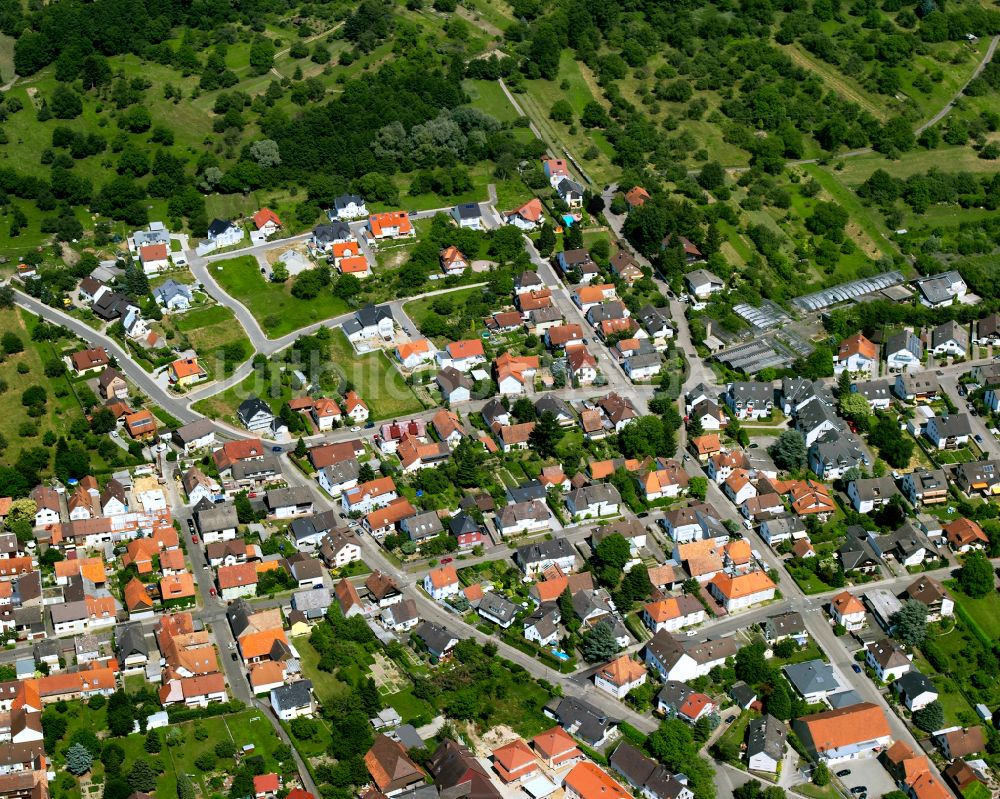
column 356, row 429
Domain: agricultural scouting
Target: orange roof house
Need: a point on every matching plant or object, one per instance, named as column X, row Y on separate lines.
column 266, row 674
column 243, row 449
column 153, row 252
column 419, row 347
column 259, row 644
column 346, row 249
column 738, row 552
column 742, row 590
column 834, row 733
column 531, row 211
column 586, row 780
column 136, row 598
column 466, row 348
column 809, row 497
column 141, row 424
column 237, row 575
column 846, row 604
column 177, row 587
column 266, row 783
column 621, row 671
column 636, row 196
column 443, row 577
column 69, row 685
column 706, row 445
column 141, row 552
column 858, row 345
column 556, row 746
column 514, row 761
column 354, row 265
column 392, row 223
column 172, row 560
column 453, row 259
column 265, row 216
column 186, row 370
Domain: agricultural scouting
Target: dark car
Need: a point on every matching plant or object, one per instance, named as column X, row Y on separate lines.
column 275, row 449
column 857, row 789
column 234, row 656
column 856, row 667
column 446, row 560
column 369, row 425
column 191, row 525
column 844, row 772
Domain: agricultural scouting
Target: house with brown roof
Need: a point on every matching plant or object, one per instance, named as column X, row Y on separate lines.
column 391, row 768
column 960, row 741
column 90, row 360
column 111, row 385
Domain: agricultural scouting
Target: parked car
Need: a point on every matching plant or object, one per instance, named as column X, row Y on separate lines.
column 275, row 449
column 194, row 539
column 844, row 772
column 234, row 657
column 211, row 591
column 858, row 789
column 446, row 560
column 978, row 438
column 856, row 667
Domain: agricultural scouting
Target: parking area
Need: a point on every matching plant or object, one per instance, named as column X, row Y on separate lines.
column 867, row 772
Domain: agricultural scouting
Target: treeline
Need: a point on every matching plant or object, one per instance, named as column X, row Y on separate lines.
column 113, row 27
column 933, row 187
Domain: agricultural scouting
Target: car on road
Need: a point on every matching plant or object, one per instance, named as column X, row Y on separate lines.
column 856, row 667
column 844, row 772
column 194, row 539
column 446, row 560
column 211, row 591
column 994, row 432
column 234, row 657
column 204, row 565
column 356, row 429
column 369, row 425
column 275, row 449
column 114, row 434
column 977, row 438
column 859, row 789
column 754, row 445
column 973, row 412
column 191, row 525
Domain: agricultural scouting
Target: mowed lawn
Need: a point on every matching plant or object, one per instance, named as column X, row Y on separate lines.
column 985, row 611
column 211, row 329
column 375, row 378
column 272, row 304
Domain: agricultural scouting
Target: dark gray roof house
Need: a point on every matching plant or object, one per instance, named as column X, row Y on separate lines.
column 217, row 518
column 331, row 232
column 293, row 696
column 580, row 718
column 462, row 523
column 439, row 640
column 857, row 553
column 526, row 492
column 498, row 608
column 784, row 625
column 766, row 736
column 130, row 640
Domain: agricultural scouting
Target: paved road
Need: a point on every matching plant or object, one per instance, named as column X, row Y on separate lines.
column 409, row 583
column 171, row 403
column 987, row 57
column 617, row 380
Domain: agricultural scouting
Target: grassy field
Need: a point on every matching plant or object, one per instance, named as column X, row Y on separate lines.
column 985, row 611
column 487, row 96
column 272, row 304
column 60, row 411
column 209, row 330
column 375, row 378
column 248, row 727
column 859, row 215
column 538, row 100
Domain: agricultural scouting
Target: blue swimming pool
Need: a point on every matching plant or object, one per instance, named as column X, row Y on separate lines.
column 560, row 655
column 568, row 220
